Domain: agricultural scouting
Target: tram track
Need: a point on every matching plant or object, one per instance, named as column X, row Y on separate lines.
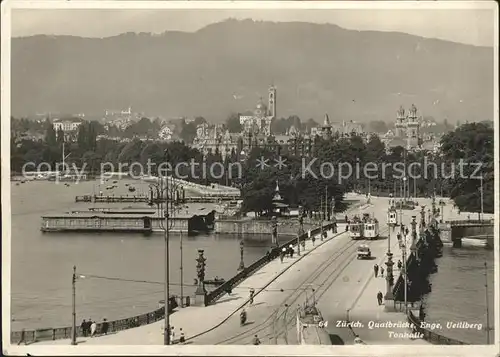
column 345, row 254
column 270, row 319
column 325, row 285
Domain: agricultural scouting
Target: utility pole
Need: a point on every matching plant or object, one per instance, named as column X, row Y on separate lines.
column 326, row 203
column 487, row 304
column 405, row 277
column 73, row 304
column 482, row 208
column 182, row 274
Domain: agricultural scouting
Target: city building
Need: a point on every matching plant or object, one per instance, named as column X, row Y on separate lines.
column 121, row 119
column 67, row 125
column 257, row 127
column 406, row 130
column 166, row 132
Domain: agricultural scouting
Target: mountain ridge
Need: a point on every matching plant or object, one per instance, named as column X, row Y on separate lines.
column 317, row 68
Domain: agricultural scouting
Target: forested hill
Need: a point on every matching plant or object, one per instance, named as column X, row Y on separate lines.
column 225, row 67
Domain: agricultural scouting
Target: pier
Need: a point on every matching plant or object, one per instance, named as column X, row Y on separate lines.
column 147, row 199
column 146, row 222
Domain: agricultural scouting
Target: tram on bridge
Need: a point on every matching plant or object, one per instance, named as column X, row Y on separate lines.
column 392, row 217
column 311, row 327
column 366, row 228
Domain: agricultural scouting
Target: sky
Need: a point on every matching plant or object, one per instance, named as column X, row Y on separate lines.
column 471, row 25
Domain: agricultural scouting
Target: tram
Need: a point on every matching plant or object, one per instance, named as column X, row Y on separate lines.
column 367, row 228
column 392, row 217
column 356, row 228
column 371, row 229
column 311, row 327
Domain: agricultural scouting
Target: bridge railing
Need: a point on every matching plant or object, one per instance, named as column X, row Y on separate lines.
column 458, row 222
column 47, row 334
column 216, row 294
column 431, row 336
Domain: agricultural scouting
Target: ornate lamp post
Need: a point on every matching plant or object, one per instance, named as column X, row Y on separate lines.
column 200, row 272
column 413, row 223
column 442, row 204
column 274, row 232
column 434, row 205
column 422, row 216
column 242, row 263
column 301, row 230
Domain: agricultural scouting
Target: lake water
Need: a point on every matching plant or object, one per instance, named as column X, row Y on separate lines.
column 459, row 292
column 42, row 263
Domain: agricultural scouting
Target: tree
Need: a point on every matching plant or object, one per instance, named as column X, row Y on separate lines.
column 50, row 133
column 233, row 123
column 60, row 136
column 378, row 126
column 470, row 144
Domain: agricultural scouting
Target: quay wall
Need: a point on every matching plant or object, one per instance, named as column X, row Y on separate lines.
column 235, row 226
column 213, row 190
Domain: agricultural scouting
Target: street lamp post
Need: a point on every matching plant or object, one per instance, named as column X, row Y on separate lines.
column 301, row 231
column 242, row 263
column 389, row 263
column 73, row 286
column 403, row 247
column 482, row 208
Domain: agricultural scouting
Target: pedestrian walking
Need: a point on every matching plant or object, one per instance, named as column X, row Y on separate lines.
column 252, row 294
column 346, row 219
column 93, row 328
column 313, row 238
column 105, row 327
column 382, row 272
column 182, row 338
column 380, row 297
column 256, row 340
column 172, row 334
column 83, row 327
column 283, row 253
column 347, row 227
column 89, row 322
column 375, row 270
column 290, row 250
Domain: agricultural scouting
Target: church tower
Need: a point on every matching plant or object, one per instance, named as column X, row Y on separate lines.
column 413, row 129
column 272, row 102
column 400, row 122
column 326, row 129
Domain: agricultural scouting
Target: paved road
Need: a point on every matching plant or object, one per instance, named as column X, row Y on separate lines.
column 270, row 317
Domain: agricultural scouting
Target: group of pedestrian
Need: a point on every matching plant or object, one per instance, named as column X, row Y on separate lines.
column 376, row 270
column 182, row 337
column 89, row 327
column 286, row 251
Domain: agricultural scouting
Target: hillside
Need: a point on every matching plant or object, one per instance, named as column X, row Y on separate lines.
column 360, row 75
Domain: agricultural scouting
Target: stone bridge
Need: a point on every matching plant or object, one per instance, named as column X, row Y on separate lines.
column 453, row 231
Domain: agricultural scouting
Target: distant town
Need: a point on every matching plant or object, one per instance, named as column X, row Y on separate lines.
column 259, row 127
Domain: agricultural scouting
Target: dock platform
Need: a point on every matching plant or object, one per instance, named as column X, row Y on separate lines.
column 137, row 221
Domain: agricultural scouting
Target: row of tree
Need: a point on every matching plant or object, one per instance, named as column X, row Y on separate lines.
column 470, row 143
